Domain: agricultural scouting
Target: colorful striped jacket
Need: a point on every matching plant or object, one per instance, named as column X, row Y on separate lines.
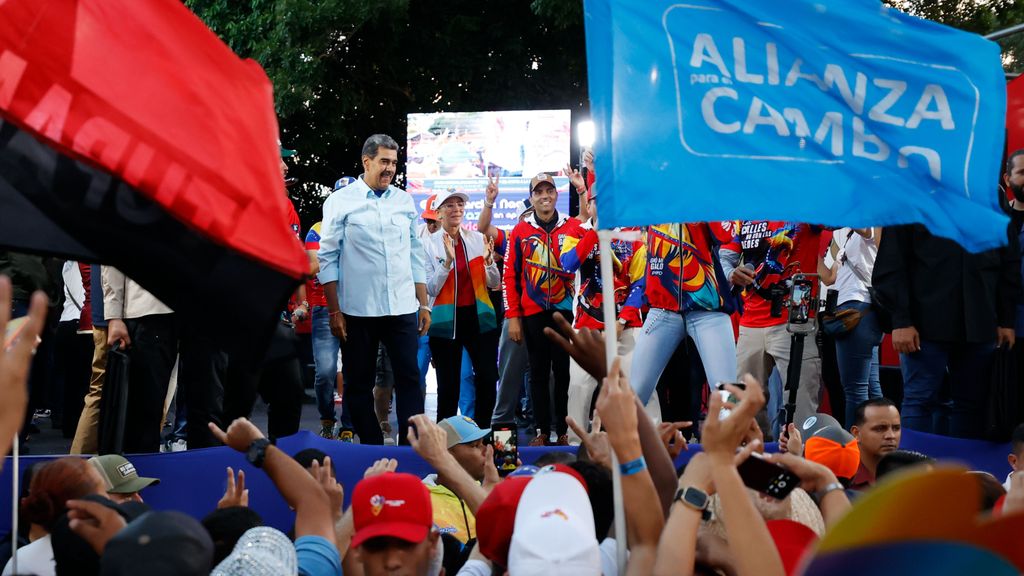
column 442, row 282
column 534, row 278
column 629, row 258
column 684, row 271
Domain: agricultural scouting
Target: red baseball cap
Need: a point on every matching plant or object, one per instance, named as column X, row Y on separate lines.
column 792, row 540
column 429, row 213
column 496, row 518
column 391, row 504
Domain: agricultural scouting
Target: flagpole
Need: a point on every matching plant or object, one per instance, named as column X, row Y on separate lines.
column 15, row 477
column 604, row 238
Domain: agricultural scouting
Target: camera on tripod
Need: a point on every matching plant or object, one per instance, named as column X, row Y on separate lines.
column 798, row 296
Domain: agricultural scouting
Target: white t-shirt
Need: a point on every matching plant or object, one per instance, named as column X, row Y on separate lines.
column 36, row 558
column 857, row 254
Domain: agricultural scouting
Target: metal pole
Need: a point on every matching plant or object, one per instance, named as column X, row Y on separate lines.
column 15, row 492
column 1005, row 32
column 604, row 238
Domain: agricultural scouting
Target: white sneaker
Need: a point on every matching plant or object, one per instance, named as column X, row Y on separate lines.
column 179, row 446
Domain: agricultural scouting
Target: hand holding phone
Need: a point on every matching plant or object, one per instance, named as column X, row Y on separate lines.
column 506, row 449
column 766, row 477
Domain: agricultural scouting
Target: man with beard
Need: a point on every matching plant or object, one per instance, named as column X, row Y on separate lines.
column 372, row 270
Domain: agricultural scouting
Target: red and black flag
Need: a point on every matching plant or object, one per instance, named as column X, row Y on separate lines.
column 131, row 135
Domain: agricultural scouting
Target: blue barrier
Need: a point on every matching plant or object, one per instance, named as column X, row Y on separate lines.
column 192, row 482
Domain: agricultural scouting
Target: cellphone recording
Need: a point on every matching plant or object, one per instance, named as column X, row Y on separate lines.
column 801, row 309
column 767, row 478
column 506, row 450
column 728, row 397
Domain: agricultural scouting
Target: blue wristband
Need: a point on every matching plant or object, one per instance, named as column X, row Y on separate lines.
column 633, row 466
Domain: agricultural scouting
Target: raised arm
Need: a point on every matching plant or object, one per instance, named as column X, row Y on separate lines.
column 483, row 224
column 313, row 516
column 751, row 545
column 429, row 441
column 15, row 360
column 587, row 348
column 644, row 520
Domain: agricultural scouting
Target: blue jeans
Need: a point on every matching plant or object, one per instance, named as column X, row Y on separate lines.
column 855, row 352
column 423, row 361
column 923, row 374
column 467, row 388
column 325, row 359
column 664, row 330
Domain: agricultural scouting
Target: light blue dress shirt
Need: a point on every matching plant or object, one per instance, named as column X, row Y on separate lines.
column 369, row 246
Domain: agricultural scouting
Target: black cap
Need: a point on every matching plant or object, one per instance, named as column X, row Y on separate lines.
column 159, row 544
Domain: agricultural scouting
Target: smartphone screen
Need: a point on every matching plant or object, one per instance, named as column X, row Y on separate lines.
column 800, row 301
column 767, row 478
column 506, row 449
column 728, row 398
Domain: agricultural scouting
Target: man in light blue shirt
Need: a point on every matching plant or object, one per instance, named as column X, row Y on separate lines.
column 374, row 279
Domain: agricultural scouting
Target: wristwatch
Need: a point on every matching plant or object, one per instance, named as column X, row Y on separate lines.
column 257, row 452
column 696, row 499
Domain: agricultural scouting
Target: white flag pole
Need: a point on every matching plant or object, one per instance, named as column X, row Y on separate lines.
column 604, row 238
column 15, row 478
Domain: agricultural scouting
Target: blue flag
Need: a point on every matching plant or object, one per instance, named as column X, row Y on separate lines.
column 834, row 112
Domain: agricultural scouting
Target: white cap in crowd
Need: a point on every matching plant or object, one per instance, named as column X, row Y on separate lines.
column 554, row 529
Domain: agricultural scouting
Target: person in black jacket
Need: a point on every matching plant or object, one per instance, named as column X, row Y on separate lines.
column 950, row 309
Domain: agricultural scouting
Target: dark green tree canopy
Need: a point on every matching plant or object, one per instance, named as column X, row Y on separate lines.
column 345, row 69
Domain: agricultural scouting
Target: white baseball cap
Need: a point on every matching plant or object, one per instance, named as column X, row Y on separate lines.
column 554, row 529
column 449, row 193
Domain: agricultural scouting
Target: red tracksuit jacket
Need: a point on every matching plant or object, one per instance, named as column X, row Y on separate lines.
column 534, row 280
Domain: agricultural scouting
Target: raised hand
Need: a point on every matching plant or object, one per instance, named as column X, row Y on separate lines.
column 488, row 250
column 491, row 193
column 588, row 160
column 240, row 435
column 586, row 346
column 334, row 490
column 616, row 404
column 15, row 360
column 596, row 441
column 449, row 249
column 428, row 439
column 380, row 467
column 236, row 493
column 672, row 437
column 576, row 179
column 721, row 436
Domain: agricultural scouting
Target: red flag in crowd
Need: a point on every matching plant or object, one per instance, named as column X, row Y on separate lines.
column 1015, row 115
column 131, row 135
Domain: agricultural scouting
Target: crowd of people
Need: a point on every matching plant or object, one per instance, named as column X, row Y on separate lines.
column 89, row 516
column 396, row 288
column 512, row 323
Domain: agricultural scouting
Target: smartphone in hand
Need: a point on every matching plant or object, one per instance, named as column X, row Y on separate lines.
column 505, row 438
column 767, row 478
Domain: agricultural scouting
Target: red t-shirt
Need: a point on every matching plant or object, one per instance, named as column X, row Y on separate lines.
column 777, row 250
column 464, row 295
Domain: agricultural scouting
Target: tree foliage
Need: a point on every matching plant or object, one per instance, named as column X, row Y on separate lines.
column 345, row 69
column 979, row 16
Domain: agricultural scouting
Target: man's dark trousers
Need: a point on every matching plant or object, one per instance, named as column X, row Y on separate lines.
column 400, row 337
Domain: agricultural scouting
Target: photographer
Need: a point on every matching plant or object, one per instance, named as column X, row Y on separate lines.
column 761, row 258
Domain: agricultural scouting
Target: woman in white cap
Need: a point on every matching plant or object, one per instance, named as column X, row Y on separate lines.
column 460, row 270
